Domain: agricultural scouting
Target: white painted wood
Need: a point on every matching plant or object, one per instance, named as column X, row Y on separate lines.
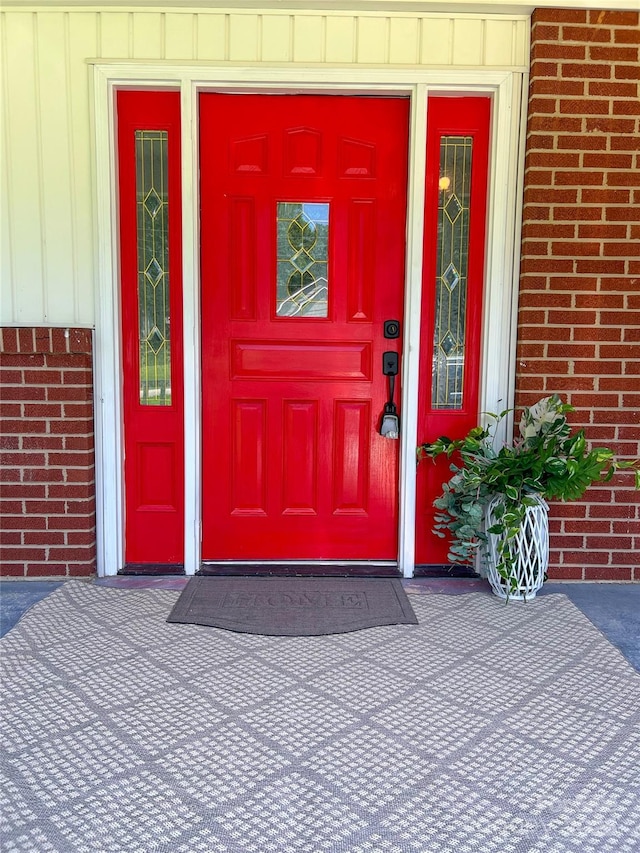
column 411, row 331
column 24, row 167
column 191, row 326
column 107, row 348
column 340, row 39
column 404, row 36
column 180, row 36
column 243, row 44
column 277, row 38
column 506, row 7
column 52, row 135
column 437, row 41
column 308, row 38
column 211, row 37
column 80, row 267
column 8, row 279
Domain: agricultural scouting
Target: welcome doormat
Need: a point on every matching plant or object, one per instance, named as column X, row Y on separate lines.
column 293, row 607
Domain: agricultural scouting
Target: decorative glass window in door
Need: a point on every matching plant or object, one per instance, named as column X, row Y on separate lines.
column 302, row 275
column 451, row 272
column 153, row 266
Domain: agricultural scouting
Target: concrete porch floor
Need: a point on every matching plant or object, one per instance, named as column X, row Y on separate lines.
column 614, row 608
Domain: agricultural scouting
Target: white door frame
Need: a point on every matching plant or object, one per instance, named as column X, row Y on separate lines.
column 507, row 89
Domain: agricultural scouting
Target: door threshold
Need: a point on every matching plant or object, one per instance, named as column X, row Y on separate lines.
column 300, row 569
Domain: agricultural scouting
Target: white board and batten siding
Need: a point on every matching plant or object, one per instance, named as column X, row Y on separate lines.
column 48, row 216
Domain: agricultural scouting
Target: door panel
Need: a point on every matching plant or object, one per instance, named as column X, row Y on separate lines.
column 452, row 292
column 151, row 299
column 303, row 206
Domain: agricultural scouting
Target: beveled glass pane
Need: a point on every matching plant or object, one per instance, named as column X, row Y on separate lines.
column 153, row 267
column 302, row 286
column 451, row 272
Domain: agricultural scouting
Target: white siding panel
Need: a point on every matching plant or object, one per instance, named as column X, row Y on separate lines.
column 437, row 41
column 179, row 36
column 243, row 38
column 82, row 42
column 308, row 41
column 53, row 138
column 24, row 170
column 372, row 40
column 7, row 302
column 340, row 39
column 116, row 37
column 212, row 37
column 404, row 40
column 276, row 38
column 498, row 39
column 468, row 41
column 148, row 35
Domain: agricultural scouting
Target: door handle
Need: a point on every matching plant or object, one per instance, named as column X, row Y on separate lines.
column 390, row 424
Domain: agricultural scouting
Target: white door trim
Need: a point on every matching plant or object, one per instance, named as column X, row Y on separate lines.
column 506, row 87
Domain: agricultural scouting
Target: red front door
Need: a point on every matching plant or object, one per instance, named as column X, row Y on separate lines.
column 303, row 204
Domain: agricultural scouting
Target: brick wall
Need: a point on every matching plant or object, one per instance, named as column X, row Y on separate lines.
column 579, row 319
column 47, row 500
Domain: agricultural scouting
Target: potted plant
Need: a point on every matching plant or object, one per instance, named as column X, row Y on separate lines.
column 494, row 506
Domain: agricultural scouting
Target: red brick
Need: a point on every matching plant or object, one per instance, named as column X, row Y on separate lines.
column 613, row 90
column 10, row 410
column 607, row 573
column 71, row 427
column 545, row 50
column 604, row 267
column 623, row 179
column 540, row 141
column 624, row 143
column 588, row 106
column 631, row 19
column 44, row 537
column 43, row 377
column 613, row 54
column 550, row 160
column 581, row 526
column 12, row 570
column 543, row 30
column 77, row 377
column 586, row 71
column 9, row 340
column 579, row 213
column 545, row 265
column 601, row 231
column 82, row 569
column 541, row 86
column 80, row 538
column 25, row 340
column 43, row 410
column 626, row 36
column 23, row 459
column 22, row 426
column 585, row 557
column 607, row 161
column 42, row 442
column 627, row 72
column 617, row 214
column 78, row 442
column 21, row 360
column 562, row 573
column 555, row 124
column 575, row 248
column 570, row 16
column 582, row 143
column 80, row 475
column 592, row 368
column 78, row 410
column 14, row 554
column 10, row 537
column 539, row 105
column 10, row 377
column 621, row 250
column 570, row 350
column 46, row 570
column 605, row 196
column 548, row 195
column 23, row 392
column 69, row 392
column 599, row 300
column 44, row 508
column 22, row 490
column 43, row 475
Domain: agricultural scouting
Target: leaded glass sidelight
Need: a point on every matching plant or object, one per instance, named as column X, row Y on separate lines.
column 451, row 272
column 302, row 288
column 153, row 266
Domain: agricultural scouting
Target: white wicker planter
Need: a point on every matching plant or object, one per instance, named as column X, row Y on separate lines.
column 530, row 548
